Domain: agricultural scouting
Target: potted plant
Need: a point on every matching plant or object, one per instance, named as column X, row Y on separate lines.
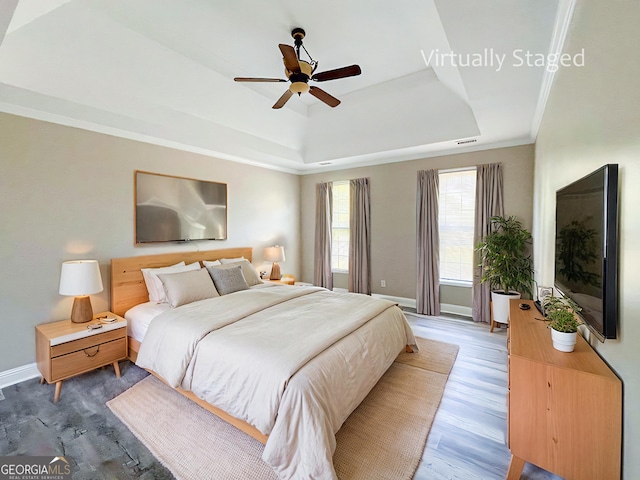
column 563, row 322
column 506, row 263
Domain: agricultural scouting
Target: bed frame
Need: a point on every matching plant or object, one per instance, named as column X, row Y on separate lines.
column 128, row 290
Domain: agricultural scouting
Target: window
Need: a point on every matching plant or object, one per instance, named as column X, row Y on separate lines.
column 456, row 212
column 340, row 227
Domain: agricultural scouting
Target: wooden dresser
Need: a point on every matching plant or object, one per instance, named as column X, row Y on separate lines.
column 564, row 409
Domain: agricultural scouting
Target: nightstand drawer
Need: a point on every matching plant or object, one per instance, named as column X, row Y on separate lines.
column 90, row 341
column 91, row 357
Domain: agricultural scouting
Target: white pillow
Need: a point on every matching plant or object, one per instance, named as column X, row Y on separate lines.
column 224, row 261
column 149, row 275
column 250, row 273
column 154, row 285
column 209, row 263
column 186, row 287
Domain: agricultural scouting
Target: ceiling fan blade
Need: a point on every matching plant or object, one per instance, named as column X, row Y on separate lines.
column 350, row 71
column 283, row 99
column 290, row 58
column 245, row 79
column 324, row 96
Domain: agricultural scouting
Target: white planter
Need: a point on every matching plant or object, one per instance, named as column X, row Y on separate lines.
column 565, row 342
column 501, row 305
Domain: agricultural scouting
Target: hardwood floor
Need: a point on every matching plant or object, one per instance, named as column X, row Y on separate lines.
column 466, row 442
column 468, row 437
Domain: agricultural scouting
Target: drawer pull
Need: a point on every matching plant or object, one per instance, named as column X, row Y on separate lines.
column 89, row 354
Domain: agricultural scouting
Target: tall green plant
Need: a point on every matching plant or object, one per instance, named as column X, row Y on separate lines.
column 506, row 262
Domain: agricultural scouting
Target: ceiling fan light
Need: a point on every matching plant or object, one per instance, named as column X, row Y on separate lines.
column 299, row 87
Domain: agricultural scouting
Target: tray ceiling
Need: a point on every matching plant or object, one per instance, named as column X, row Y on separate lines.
column 162, row 71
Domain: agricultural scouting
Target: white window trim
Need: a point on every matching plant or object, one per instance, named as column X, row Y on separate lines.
column 459, row 169
column 456, row 283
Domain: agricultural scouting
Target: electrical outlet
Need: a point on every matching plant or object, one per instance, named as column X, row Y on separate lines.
column 383, row 283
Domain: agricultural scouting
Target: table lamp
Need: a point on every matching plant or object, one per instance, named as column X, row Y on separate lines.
column 80, row 278
column 274, row 254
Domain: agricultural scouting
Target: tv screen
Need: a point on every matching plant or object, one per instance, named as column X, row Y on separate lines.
column 174, row 209
column 586, row 258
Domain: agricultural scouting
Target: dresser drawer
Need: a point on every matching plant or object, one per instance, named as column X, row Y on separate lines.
column 89, row 358
column 90, row 341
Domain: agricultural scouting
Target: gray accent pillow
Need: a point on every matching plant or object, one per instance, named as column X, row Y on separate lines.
column 250, row 273
column 186, row 287
column 228, row 278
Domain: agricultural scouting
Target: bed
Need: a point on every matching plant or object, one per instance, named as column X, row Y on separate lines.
column 274, row 362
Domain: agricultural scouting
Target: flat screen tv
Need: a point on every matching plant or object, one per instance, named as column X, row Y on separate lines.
column 586, row 258
column 176, row 209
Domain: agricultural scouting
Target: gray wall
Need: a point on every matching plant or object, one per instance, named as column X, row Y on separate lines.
column 393, row 213
column 67, row 194
column 592, row 118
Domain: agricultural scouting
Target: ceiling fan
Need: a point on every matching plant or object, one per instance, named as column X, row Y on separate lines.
column 299, row 72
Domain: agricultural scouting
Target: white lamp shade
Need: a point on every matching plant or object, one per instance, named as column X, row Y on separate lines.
column 274, row 254
column 80, row 277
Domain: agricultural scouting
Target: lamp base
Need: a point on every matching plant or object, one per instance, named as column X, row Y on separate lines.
column 275, row 272
column 81, row 311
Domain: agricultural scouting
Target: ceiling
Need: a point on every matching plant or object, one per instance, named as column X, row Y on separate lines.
column 162, row 71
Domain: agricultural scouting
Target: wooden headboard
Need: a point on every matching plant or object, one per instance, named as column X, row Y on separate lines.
column 127, row 285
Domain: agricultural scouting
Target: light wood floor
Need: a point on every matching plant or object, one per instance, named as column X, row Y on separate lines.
column 468, row 437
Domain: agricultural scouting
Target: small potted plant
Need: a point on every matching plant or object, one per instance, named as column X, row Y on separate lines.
column 506, row 263
column 562, row 321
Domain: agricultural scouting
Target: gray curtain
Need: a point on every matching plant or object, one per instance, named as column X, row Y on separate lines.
column 360, row 236
column 428, row 244
column 322, row 275
column 489, row 203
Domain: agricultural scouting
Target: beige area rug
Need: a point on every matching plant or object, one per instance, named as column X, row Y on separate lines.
column 382, row 439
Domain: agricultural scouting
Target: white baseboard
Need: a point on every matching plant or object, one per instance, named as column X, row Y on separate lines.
column 402, row 301
column 18, row 374
column 456, row 310
column 411, row 303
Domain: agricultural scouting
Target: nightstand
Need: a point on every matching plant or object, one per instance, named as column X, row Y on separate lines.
column 65, row 349
column 278, row 282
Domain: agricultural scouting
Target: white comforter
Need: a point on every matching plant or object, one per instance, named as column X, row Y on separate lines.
column 292, row 362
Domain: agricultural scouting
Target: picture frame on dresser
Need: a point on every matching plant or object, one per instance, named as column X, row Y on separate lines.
column 544, row 292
